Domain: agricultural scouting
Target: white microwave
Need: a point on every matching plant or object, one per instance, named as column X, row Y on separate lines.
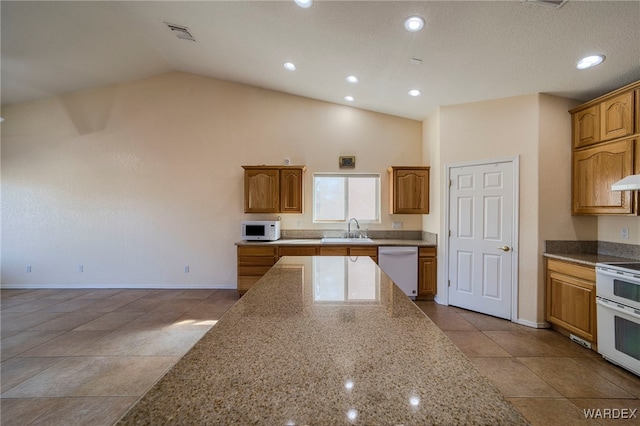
column 261, row 230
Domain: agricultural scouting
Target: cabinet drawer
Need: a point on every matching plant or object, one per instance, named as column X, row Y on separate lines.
column 257, row 250
column 584, row 272
column 427, row 252
column 334, row 251
column 253, row 270
column 364, row 251
column 256, row 260
column 298, row 251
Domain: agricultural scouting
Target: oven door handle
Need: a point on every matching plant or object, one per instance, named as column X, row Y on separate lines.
column 617, row 309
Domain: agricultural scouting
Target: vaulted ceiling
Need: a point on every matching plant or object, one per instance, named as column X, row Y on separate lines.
column 467, row 51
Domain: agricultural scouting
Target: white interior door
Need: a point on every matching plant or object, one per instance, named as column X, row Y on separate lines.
column 481, row 241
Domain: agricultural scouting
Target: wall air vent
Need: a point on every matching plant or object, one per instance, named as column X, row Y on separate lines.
column 181, row 31
column 556, row 4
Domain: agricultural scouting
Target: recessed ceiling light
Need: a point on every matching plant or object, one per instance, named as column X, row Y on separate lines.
column 290, row 66
column 349, row 98
column 415, row 92
column 304, row 3
column 352, row 79
column 589, row 61
column 414, row 23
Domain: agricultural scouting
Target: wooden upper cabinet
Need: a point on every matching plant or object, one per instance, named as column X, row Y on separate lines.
column 291, row 190
column 586, row 127
column 273, row 189
column 616, row 116
column 409, row 190
column 261, row 190
column 594, row 170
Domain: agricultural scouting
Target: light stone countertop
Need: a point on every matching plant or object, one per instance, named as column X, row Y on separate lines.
column 316, row 241
column 324, row 341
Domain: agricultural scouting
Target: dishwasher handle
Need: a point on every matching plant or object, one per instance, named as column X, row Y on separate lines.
column 397, row 253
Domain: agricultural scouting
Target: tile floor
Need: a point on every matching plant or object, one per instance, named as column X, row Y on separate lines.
column 85, row 356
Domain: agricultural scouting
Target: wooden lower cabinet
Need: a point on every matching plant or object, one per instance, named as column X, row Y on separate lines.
column 427, row 273
column 253, row 263
column 255, row 260
column 571, row 298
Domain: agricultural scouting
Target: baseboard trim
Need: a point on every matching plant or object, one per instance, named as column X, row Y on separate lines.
column 122, row 286
column 533, row 324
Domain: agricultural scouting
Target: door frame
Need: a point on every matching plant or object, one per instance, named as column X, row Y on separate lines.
column 515, row 161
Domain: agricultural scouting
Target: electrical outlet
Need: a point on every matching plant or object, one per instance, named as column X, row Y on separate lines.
column 287, row 161
column 28, row 269
column 624, row 233
column 396, row 225
column 186, row 269
column 81, row 268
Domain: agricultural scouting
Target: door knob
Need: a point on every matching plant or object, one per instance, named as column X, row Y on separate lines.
column 504, row 248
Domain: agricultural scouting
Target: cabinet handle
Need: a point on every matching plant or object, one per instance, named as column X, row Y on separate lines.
column 504, row 248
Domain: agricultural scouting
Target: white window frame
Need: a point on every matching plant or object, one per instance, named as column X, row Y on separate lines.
column 347, row 215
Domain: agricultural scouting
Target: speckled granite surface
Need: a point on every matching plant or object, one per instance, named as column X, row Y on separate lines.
column 591, row 252
column 324, row 341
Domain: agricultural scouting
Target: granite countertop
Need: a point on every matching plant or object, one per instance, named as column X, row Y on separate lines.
column 317, row 241
column 324, row 341
column 589, row 259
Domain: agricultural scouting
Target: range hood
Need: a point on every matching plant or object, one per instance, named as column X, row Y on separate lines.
column 631, row 182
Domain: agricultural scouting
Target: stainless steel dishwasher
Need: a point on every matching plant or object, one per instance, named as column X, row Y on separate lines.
column 401, row 264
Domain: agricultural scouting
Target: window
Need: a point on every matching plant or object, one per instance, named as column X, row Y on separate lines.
column 340, row 196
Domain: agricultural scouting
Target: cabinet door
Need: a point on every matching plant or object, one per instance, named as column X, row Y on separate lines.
column 594, row 170
column 253, row 263
column 427, row 278
column 334, row 251
column 261, row 191
column 410, row 190
column 571, row 304
column 616, row 116
column 291, row 190
column 586, row 127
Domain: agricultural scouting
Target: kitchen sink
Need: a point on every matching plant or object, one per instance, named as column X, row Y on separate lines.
column 347, row 240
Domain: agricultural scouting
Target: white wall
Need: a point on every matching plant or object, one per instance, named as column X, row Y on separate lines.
column 134, row 181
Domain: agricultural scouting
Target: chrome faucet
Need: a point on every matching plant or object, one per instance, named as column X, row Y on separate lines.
column 349, row 235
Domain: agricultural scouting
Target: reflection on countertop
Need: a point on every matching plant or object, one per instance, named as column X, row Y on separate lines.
column 324, row 340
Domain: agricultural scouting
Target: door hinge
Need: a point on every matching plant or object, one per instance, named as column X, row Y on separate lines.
column 450, row 183
column 449, row 232
column 448, row 283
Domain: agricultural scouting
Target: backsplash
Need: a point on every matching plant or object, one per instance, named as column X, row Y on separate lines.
column 629, row 251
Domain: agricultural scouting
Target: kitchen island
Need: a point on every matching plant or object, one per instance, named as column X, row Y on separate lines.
column 324, row 341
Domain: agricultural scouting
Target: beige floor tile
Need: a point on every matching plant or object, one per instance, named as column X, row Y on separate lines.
column 94, row 376
column 103, row 293
column 489, row 323
column 551, row 412
column 25, row 340
column 16, row 370
column 23, row 411
column 143, row 304
column 196, row 294
column 33, row 305
column 102, row 411
column 177, row 306
column 116, row 343
column 523, row 343
column 513, row 378
column 68, row 321
column 572, row 380
column 451, row 321
column 153, row 320
column 70, row 305
column 110, row 321
column 475, row 343
column 25, row 321
column 67, row 344
column 169, row 342
column 618, row 375
column 611, row 412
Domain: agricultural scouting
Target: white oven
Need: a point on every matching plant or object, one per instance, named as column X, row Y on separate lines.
column 618, row 313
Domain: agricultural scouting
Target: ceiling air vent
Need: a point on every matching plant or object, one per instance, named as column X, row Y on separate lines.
column 556, row 4
column 181, row 32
